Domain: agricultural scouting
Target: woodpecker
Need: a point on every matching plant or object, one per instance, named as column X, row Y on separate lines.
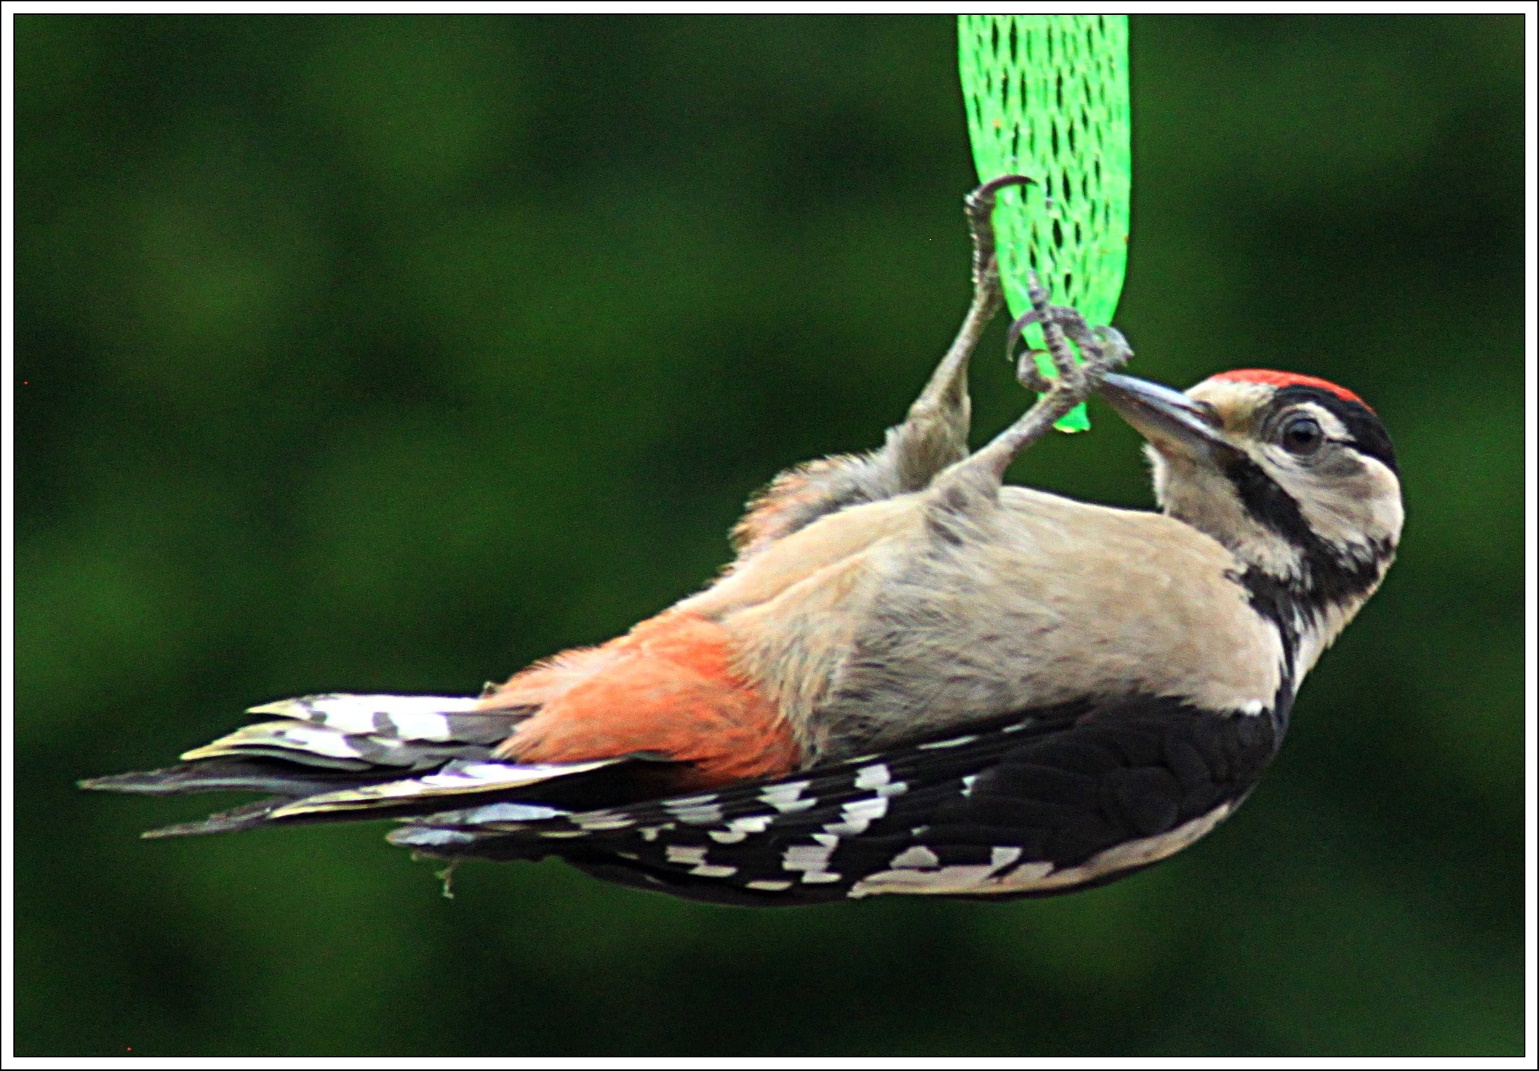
column 913, row 678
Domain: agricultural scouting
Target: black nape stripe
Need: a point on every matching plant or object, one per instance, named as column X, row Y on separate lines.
column 1367, row 430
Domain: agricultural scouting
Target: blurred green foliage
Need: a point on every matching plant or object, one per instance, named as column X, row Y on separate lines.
column 391, row 353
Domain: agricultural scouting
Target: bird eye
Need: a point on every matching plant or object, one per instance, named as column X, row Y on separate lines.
column 1302, row 435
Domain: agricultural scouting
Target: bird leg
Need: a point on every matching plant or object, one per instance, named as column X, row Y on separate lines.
column 931, row 438
column 1103, row 349
column 934, row 434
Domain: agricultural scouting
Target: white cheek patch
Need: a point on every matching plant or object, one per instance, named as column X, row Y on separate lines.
column 1351, row 511
column 1206, row 499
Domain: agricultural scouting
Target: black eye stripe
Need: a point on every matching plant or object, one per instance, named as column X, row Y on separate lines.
column 1368, row 435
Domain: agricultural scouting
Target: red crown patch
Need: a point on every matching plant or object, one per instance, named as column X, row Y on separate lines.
column 1289, row 379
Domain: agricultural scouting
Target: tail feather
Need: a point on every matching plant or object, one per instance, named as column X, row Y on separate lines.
column 342, row 757
column 259, row 774
column 246, row 816
column 360, row 732
column 304, row 794
column 319, row 745
column 455, row 781
column 439, row 719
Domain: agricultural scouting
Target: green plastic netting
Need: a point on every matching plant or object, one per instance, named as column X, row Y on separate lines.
column 1047, row 97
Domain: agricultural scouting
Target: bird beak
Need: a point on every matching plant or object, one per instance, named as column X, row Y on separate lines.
column 1170, row 420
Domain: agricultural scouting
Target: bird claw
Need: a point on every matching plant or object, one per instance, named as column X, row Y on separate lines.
column 1028, row 375
column 980, row 222
column 1101, row 348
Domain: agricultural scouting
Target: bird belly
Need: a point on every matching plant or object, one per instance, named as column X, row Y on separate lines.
column 1049, row 601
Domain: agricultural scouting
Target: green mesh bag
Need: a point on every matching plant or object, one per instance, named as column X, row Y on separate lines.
column 1047, row 97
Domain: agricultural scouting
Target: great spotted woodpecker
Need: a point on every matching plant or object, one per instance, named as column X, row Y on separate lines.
column 912, row 679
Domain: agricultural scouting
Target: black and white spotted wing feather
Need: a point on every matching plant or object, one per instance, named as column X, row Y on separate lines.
column 1039, row 805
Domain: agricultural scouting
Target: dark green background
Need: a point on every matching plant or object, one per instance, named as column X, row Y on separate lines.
column 393, row 353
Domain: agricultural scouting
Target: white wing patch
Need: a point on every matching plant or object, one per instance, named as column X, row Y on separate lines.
column 915, row 870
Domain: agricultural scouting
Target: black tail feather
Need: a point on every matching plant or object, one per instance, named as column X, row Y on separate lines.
column 246, row 816
column 284, row 782
column 236, row 775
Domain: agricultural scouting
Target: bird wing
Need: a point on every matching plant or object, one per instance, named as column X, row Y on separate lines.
column 1036, row 804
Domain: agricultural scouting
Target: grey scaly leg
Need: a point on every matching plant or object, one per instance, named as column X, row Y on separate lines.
column 1103, row 348
column 934, row 434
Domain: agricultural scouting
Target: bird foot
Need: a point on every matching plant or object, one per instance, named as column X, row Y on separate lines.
column 1102, row 348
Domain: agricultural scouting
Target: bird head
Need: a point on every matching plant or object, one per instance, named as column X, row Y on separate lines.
column 1294, row 475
